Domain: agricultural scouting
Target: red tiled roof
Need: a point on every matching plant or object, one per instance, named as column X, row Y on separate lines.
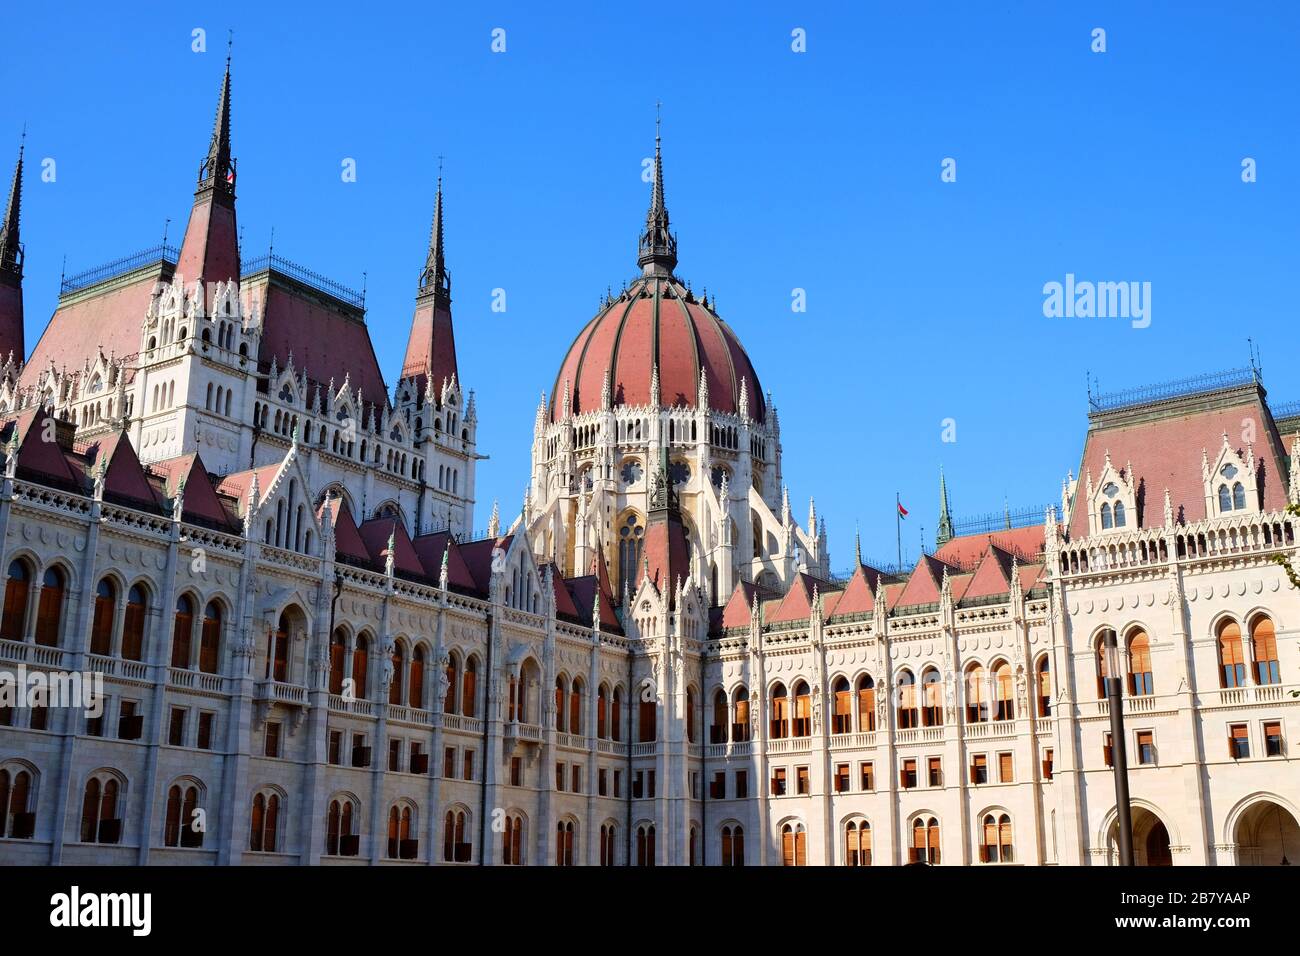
column 992, row 575
column 430, row 548
column 967, row 550
column 478, row 559
column 432, row 345
column 633, row 334
column 375, row 533
column 924, row 583
column 859, row 595
column 347, row 539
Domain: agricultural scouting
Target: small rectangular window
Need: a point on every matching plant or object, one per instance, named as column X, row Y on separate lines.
column 1146, row 744
column 130, row 724
column 718, row 787
column 176, row 727
column 1005, row 773
column 206, row 720
column 1107, row 751
column 469, row 765
column 618, row 783
column 802, row 781
column 449, row 763
column 841, row 778
column 516, row 771
column 559, row 777
column 95, row 725
column 1273, row 746
column 602, row 782
column 272, row 738
column 867, row 773
column 335, row 747
column 394, row 754
column 778, row 782
column 1047, row 764
column 1238, row 741
column 934, row 771
column 907, row 776
column 576, row 778
column 638, row 785
column 742, row 784
column 650, row 778
column 979, row 769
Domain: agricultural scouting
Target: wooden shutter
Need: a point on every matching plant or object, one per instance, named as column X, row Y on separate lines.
column 1004, row 768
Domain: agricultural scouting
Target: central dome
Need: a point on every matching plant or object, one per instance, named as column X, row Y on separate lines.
column 656, row 324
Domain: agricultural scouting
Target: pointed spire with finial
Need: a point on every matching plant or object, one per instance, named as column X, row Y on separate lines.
column 857, row 547
column 218, row 169
column 11, row 251
column 945, row 532
column 434, row 278
column 657, row 250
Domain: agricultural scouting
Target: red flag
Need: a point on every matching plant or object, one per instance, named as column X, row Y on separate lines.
column 902, row 512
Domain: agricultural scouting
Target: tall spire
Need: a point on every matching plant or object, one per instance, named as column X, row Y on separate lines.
column 217, row 171
column 657, row 250
column 11, row 268
column 945, row 532
column 210, row 250
column 434, row 278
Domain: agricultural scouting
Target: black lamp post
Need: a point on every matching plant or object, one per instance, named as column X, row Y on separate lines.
column 1119, row 755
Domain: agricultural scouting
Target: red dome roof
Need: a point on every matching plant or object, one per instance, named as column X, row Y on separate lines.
column 656, row 322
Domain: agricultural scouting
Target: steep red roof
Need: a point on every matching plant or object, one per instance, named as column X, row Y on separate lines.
column 992, row 576
column 564, row 605
column 236, row 484
column 478, row 559
column 967, row 550
column 430, row 548
column 1164, row 444
column 431, row 347
column 125, row 478
column 859, row 595
column 39, row 459
column 375, row 534
column 797, row 603
column 666, row 555
column 924, row 585
column 347, row 539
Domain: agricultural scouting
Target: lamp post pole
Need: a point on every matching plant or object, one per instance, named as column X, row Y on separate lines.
column 1119, row 753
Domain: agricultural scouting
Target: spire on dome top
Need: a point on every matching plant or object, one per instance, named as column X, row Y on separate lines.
column 11, row 266
column 217, row 171
column 945, row 532
column 210, row 250
column 435, row 278
column 657, row 250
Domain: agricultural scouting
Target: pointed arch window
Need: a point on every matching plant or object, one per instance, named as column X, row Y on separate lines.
column 995, row 845
column 561, row 698
column 802, row 711
column 263, row 822
column 608, row 843
column 564, row 843
column 182, row 629
column 740, row 712
column 338, row 661
column 180, row 822
column 857, row 843
column 512, row 841
column 866, row 704
column 17, row 822
column 925, row 841
column 100, row 820
column 340, row 838
column 416, row 684
column 1044, row 672
column 1140, row 678
column 49, row 612
column 780, row 720
column 907, row 713
column 398, row 659
column 1004, row 702
column 602, row 712
column 456, row 840
column 631, row 535
column 1119, row 514
column 469, row 691
column 733, row 846
column 210, row 639
column 932, row 697
column 133, row 624
column 794, row 845
column 842, row 717
column 1264, row 637
column 1232, row 662
column 616, row 715
column 360, row 662
column 645, row 845
column 13, row 625
column 101, row 630
column 977, row 701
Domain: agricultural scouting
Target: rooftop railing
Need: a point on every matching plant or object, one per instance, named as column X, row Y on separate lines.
column 304, row 275
column 119, row 267
column 1147, row 394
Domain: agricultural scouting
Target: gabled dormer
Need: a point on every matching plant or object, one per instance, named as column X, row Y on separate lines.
column 1231, row 481
column 1112, row 499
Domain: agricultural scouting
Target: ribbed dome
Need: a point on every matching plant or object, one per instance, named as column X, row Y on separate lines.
column 656, row 322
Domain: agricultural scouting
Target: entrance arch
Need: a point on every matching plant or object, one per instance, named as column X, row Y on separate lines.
column 1266, row 834
column 1151, row 837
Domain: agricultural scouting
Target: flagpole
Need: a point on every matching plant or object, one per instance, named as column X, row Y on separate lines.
column 898, row 528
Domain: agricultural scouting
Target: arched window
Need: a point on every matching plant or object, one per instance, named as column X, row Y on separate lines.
column 645, row 845
column 453, row 684
column 866, row 703
column 977, row 701
column 740, row 719
column 1105, row 516
column 457, row 846
column 1119, row 514
column 338, row 661
column 416, row 685
column 1140, row 681
column 340, row 839
column 1264, row 637
column 469, row 688
column 49, row 612
column 101, row 630
column 263, row 823
column 182, row 827
column 512, row 840
column 1044, row 686
column 13, row 625
column 608, row 843
column 630, row 536
column 907, row 715
column 842, row 716
column 1231, row 661
column 100, row 820
column 399, row 672
column 133, row 624
column 932, row 698
column 733, row 846
column 17, row 821
column 925, row 841
column 995, row 845
column 616, row 715
column 561, row 702
column 802, row 711
column 360, row 661
column 1238, row 496
column 1003, row 693
column 210, row 640
column 647, row 716
column 400, row 844
column 277, row 651
column 718, row 725
column 564, row 843
column 182, row 629
column 1100, row 654
column 602, row 711
column 794, row 845
column 857, row 843
column 780, row 721
column 690, row 715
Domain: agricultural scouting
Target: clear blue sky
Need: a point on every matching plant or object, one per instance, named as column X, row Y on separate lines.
column 818, row 170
